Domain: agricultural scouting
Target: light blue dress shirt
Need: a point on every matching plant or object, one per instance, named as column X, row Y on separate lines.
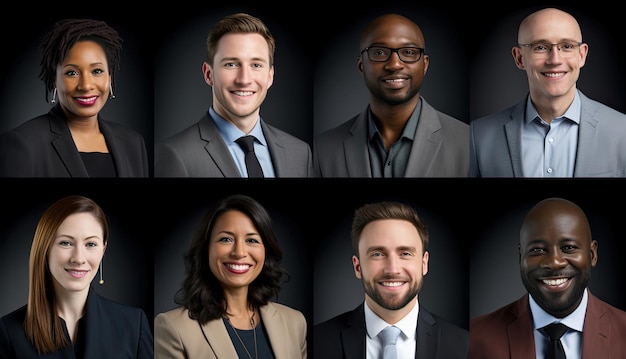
column 549, row 149
column 571, row 340
column 230, row 133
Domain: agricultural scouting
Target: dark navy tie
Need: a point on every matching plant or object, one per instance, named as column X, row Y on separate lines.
column 555, row 348
column 252, row 163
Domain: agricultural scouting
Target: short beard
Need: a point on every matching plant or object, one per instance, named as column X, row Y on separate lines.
column 386, row 302
column 559, row 307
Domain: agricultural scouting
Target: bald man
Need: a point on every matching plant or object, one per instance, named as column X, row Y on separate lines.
column 556, row 131
column 556, row 254
column 399, row 134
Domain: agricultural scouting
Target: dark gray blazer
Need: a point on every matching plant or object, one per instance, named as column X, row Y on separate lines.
column 200, row 151
column 440, row 148
column 495, row 142
column 343, row 337
column 112, row 330
column 43, row 147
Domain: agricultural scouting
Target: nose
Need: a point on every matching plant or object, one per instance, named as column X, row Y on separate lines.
column 393, row 264
column 554, row 259
column 239, row 249
column 243, row 75
column 85, row 82
column 78, row 255
column 394, row 60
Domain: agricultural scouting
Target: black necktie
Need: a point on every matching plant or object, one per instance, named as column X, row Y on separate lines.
column 252, row 163
column 555, row 348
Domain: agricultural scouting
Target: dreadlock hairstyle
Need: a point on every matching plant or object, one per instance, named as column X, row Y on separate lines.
column 64, row 34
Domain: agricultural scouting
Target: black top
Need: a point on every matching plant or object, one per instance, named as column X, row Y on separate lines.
column 99, row 164
column 263, row 345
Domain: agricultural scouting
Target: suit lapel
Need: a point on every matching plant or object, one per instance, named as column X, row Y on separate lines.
column 353, row 334
column 520, row 331
column 513, row 131
column 64, row 145
column 276, row 332
column 426, row 143
column 596, row 330
column 586, row 151
column 427, row 335
column 216, row 148
column 218, row 339
column 357, row 156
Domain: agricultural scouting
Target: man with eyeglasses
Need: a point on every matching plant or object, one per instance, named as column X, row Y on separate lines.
column 556, row 131
column 399, row 134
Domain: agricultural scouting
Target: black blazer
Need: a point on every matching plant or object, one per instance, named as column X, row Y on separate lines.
column 43, row 147
column 343, row 337
column 112, row 331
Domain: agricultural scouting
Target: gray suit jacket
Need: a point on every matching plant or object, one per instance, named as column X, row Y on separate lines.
column 495, row 142
column 440, row 148
column 200, row 151
column 176, row 336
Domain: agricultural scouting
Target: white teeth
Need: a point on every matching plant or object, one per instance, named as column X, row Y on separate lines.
column 553, row 75
column 555, row 281
column 238, row 267
column 86, row 99
column 391, row 284
column 396, row 80
column 242, row 93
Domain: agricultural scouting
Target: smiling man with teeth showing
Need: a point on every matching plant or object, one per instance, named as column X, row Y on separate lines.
column 556, row 254
column 399, row 134
column 239, row 67
column 390, row 246
column 555, row 131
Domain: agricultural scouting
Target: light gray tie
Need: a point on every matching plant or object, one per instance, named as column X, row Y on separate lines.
column 390, row 336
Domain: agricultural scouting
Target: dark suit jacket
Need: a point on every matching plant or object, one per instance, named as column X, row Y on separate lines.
column 343, row 337
column 43, row 147
column 496, row 151
column 508, row 332
column 113, row 331
column 200, row 151
column 440, row 147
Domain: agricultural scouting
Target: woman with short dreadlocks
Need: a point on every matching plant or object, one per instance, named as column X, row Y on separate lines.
column 79, row 58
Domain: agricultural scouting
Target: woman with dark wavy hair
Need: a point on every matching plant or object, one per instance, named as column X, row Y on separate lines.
column 232, row 273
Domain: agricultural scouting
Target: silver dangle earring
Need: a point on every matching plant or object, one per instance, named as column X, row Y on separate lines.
column 101, row 281
column 54, row 96
column 111, row 95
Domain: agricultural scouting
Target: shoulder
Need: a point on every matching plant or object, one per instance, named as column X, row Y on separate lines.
column 113, row 309
column 273, row 133
column 285, row 310
column 175, row 316
column 118, row 128
column 446, row 120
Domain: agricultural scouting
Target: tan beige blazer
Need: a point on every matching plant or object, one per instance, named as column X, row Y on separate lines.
column 178, row 336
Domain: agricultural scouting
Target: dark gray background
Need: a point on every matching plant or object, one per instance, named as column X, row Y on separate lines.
column 181, row 96
column 494, row 260
column 22, row 94
column 128, row 261
column 339, row 89
column 496, row 83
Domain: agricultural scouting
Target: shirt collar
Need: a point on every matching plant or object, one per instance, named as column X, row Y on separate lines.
column 375, row 324
column 230, row 132
column 572, row 113
column 575, row 320
column 409, row 128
